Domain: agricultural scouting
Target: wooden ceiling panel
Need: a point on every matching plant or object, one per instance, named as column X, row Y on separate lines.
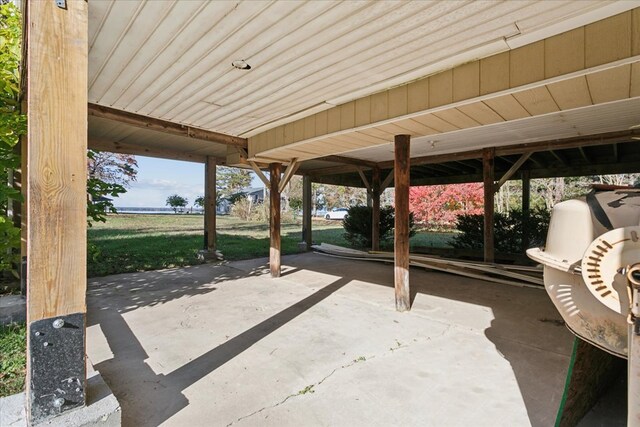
column 172, row 60
column 379, row 133
column 481, row 113
column 572, row 93
column 456, row 118
column 537, row 101
column 435, row 123
column 507, row 107
column 416, row 127
column 610, row 85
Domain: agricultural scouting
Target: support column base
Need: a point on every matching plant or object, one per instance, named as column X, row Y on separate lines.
column 209, row 256
column 302, row 246
column 102, row 410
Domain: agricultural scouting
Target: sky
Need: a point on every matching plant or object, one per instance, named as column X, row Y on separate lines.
column 158, row 179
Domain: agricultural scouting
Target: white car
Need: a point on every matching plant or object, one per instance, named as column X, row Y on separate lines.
column 336, row 213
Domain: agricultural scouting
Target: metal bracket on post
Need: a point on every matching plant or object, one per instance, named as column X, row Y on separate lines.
column 62, row 4
column 57, row 366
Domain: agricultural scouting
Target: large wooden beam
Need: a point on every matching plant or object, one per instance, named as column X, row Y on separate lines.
column 488, row 155
column 531, row 147
column 291, row 169
column 259, row 173
column 56, row 61
column 348, row 161
column 512, row 170
column 275, row 169
column 210, row 206
column 387, row 181
column 306, row 211
column 364, row 179
column 165, row 126
column 401, row 237
column 139, row 150
column 375, row 210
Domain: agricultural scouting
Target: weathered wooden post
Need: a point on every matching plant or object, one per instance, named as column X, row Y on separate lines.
column 275, row 169
column 488, row 155
column 210, row 242
column 526, row 208
column 401, row 237
column 307, row 236
column 56, row 161
column 375, row 210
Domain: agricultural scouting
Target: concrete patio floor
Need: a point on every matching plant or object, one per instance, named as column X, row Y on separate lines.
column 222, row 345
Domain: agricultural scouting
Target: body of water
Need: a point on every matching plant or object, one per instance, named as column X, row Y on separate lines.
column 160, row 211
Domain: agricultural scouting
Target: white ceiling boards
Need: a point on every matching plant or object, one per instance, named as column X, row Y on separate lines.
column 172, row 60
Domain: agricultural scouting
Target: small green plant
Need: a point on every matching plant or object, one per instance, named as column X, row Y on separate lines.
column 307, row 389
column 508, row 230
column 13, row 361
column 357, row 225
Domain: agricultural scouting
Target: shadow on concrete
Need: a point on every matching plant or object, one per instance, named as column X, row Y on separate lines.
column 159, row 396
column 518, row 330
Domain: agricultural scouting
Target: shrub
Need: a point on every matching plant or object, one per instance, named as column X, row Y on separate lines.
column 357, row 225
column 241, row 209
column 508, row 230
column 9, row 242
column 257, row 212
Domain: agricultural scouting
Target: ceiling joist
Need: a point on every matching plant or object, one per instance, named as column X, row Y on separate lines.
column 165, row 126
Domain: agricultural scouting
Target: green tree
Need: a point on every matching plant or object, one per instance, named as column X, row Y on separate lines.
column 231, row 180
column 199, row 201
column 12, row 126
column 108, row 176
column 176, row 201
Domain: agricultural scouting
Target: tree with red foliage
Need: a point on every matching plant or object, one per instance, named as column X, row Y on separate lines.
column 438, row 206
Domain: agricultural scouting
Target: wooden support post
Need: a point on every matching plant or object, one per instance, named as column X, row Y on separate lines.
column 56, row 90
column 488, row 155
column 401, row 237
column 526, row 208
column 210, row 206
column 306, row 211
column 375, row 210
column 275, row 169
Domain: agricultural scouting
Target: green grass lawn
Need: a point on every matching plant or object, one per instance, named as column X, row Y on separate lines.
column 128, row 243
column 13, row 359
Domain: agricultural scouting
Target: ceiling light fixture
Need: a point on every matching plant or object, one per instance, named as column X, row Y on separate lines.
column 241, row 64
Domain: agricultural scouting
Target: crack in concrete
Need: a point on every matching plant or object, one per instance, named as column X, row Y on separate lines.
column 307, row 389
column 310, row 388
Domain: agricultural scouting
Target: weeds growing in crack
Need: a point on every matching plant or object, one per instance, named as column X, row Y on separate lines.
column 307, row 389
